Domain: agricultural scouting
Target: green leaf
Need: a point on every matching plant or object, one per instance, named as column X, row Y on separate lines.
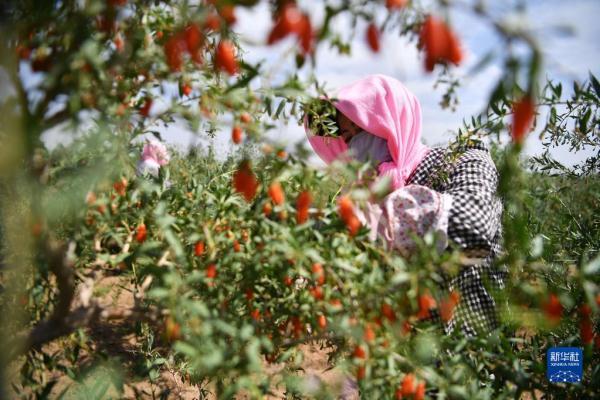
column 537, row 246
column 593, row 267
column 158, row 293
column 186, row 349
column 584, row 120
column 159, row 361
column 400, row 277
column 557, row 90
column 174, row 243
column 343, row 264
column 280, row 108
column 153, row 375
column 200, row 309
column 595, row 84
column 212, row 359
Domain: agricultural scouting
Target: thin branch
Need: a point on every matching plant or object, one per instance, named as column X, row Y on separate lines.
column 64, row 320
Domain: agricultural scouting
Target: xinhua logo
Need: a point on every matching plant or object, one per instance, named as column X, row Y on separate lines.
column 564, row 364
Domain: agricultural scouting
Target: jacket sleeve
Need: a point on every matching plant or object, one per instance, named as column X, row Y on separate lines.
column 411, row 209
column 475, row 216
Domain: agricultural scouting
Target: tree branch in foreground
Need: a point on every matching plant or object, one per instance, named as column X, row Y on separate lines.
column 65, row 319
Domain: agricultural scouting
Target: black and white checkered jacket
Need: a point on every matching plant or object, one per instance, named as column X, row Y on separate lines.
column 475, row 226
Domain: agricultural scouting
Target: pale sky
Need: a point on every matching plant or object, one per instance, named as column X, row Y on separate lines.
column 567, row 57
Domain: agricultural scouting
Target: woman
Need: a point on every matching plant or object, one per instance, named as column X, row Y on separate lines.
column 380, row 119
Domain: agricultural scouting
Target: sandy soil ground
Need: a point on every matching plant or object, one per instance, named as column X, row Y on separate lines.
column 116, row 340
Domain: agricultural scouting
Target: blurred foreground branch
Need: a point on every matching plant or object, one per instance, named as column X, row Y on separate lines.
column 76, row 308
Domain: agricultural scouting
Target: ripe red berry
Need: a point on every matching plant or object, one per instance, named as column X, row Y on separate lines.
column 174, row 48
column 225, row 59
column 302, row 216
column 23, row 52
column 302, row 206
column 267, row 209
column 448, row 305
column 420, row 392
column 553, row 308
column 289, row 21
column 199, row 248
column 145, row 110
column 361, row 373
column 212, row 22
column 317, row 268
column 523, row 116
column 335, row 303
column 297, row 326
column 359, row 352
column 395, row 4
column 373, row 37
column 346, row 212
column 245, row 118
column 281, row 154
column 193, row 37
column 388, row 312
column 236, row 134
column 120, row 187
column 316, row 292
column 211, row 271
column 141, row 233
column 306, row 35
column 408, row 385
column 227, row 12
column 186, row 89
column 318, row 273
column 426, row 302
column 585, row 324
column 440, row 43
column 369, row 334
column 119, row 43
column 345, row 207
column 322, row 321
column 276, row 193
column 244, row 181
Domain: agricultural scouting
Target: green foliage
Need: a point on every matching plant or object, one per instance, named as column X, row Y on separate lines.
column 80, row 229
column 321, row 117
column 222, row 339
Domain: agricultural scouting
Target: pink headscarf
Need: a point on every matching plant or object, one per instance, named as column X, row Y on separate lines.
column 384, row 107
column 154, row 156
column 155, row 151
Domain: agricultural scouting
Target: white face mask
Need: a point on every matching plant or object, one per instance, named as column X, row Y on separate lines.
column 367, row 147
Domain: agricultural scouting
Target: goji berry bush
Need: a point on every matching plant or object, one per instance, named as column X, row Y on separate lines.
column 229, row 266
